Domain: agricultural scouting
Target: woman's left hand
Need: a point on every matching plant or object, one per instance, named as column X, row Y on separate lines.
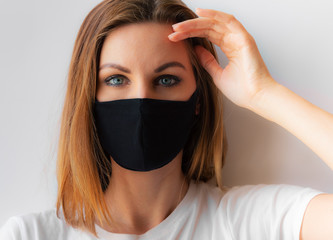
column 246, row 75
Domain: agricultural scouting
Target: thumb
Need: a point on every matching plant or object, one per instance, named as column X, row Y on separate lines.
column 208, row 61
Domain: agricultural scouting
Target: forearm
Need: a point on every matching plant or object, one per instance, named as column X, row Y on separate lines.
column 312, row 125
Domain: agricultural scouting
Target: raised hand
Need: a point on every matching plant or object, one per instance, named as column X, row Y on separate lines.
column 246, row 75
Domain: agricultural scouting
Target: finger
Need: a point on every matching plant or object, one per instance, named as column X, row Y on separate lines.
column 217, row 15
column 203, row 24
column 207, row 22
column 214, row 37
column 229, row 20
column 200, row 27
column 208, row 61
column 196, row 23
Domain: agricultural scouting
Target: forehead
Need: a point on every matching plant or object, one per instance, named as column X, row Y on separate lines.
column 142, row 43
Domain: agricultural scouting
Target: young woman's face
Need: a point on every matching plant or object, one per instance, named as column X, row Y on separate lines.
column 139, row 61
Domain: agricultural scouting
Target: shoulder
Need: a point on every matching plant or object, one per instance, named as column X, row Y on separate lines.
column 39, row 225
column 263, row 194
column 247, row 194
column 270, row 211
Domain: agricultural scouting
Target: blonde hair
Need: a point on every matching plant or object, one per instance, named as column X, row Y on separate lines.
column 83, row 169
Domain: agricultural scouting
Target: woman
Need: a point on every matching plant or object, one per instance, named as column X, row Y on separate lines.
column 142, row 133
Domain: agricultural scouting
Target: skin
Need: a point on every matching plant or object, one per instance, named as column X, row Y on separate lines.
column 138, row 201
column 246, row 81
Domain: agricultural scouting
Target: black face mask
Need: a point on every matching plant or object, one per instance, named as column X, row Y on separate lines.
column 144, row 134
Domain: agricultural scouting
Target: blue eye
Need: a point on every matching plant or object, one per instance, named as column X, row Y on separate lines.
column 115, row 81
column 164, row 81
column 168, row 80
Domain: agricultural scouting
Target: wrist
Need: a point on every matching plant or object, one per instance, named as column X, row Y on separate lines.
column 264, row 100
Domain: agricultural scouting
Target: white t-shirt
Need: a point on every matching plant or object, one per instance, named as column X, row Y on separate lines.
column 258, row 212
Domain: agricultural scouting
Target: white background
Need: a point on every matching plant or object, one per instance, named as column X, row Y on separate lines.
column 294, row 37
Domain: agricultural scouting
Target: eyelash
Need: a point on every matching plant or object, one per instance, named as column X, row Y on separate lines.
column 175, row 78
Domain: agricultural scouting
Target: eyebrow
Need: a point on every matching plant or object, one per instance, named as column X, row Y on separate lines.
column 116, row 66
column 157, row 70
column 169, row 64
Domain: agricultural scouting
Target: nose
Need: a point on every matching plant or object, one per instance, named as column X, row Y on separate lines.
column 142, row 89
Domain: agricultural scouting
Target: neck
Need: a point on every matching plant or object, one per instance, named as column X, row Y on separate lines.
column 138, row 201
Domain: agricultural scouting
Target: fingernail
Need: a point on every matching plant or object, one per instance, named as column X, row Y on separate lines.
column 174, row 26
column 171, row 35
